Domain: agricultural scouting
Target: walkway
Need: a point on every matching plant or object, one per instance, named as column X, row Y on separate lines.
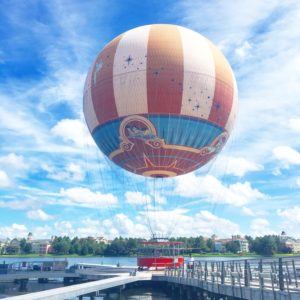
column 82, row 289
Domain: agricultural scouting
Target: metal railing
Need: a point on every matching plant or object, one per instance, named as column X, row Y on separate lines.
column 269, row 273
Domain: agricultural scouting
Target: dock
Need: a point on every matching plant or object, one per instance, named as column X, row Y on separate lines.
column 244, row 279
column 88, row 289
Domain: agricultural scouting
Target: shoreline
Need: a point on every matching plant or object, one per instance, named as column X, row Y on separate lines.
column 193, row 254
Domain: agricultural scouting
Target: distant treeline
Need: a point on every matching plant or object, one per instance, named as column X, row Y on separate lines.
column 266, row 245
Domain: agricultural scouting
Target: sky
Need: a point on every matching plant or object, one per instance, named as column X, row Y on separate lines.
column 54, row 180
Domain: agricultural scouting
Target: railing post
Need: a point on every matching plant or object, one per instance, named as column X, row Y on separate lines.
column 261, row 284
column 201, row 271
column 288, row 273
column 222, row 273
column 246, row 275
column 260, row 266
column 250, row 272
column 295, row 273
column 280, row 274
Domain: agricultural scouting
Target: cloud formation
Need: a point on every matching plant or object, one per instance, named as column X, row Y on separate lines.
column 286, row 156
column 38, row 215
column 212, row 190
column 84, row 197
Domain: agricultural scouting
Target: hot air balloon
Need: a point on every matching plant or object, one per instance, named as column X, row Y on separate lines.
column 160, row 100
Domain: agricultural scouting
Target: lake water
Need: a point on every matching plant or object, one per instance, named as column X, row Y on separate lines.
column 11, row 289
column 122, row 261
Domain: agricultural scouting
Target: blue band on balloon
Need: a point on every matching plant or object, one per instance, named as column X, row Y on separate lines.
column 174, row 130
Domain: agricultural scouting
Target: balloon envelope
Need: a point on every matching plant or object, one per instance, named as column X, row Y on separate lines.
column 160, row 100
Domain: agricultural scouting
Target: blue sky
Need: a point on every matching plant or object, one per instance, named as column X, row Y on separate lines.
column 53, row 179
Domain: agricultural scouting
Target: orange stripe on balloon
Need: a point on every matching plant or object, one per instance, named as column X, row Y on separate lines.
column 102, row 83
column 224, row 89
column 164, row 70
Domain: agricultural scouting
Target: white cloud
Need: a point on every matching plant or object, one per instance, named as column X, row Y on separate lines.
column 15, row 230
column 122, row 225
column 276, row 171
column 71, row 172
column 290, row 220
column 178, row 222
column 239, row 166
column 294, row 124
column 16, row 120
column 252, row 213
column 287, row 156
column 84, row 197
column 240, row 18
column 298, row 181
column 90, row 228
column 21, row 127
column 248, row 211
column 76, row 171
column 39, row 214
column 159, row 199
column 137, row 198
column 292, row 214
column 73, row 130
column 243, row 50
column 64, row 228
column 44, row 232
column 261, row 227
column 15, row 167
column 66, row 86
column 14, row 162
column 212, row 190
column 19, row 204
column 5, row 180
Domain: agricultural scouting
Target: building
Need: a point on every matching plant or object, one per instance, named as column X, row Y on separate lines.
column 29, row 237
column 41, row 246
column 283, row 237
column 101, row 239
column 3, row 244
column 219, row 247
column 242, row 243
column 293, row 244
column 289, row 242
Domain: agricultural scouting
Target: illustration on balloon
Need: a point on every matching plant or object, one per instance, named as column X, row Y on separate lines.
column 160, row 100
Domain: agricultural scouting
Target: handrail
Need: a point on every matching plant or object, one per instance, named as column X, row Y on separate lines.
column 281, row 273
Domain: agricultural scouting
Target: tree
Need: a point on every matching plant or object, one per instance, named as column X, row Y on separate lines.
column 232, row 246
column 25, row 247
column 265, row 245
column 10, row 249
column 23, row 243
column 250, row 242
column 210, row 245
column 28, row 248
column 200, row 244
column 61, row 245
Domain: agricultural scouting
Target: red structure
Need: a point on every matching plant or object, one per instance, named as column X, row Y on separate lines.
column 160, row 254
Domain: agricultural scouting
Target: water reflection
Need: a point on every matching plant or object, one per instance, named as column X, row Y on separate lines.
column 144, row 294
column 9, row 289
